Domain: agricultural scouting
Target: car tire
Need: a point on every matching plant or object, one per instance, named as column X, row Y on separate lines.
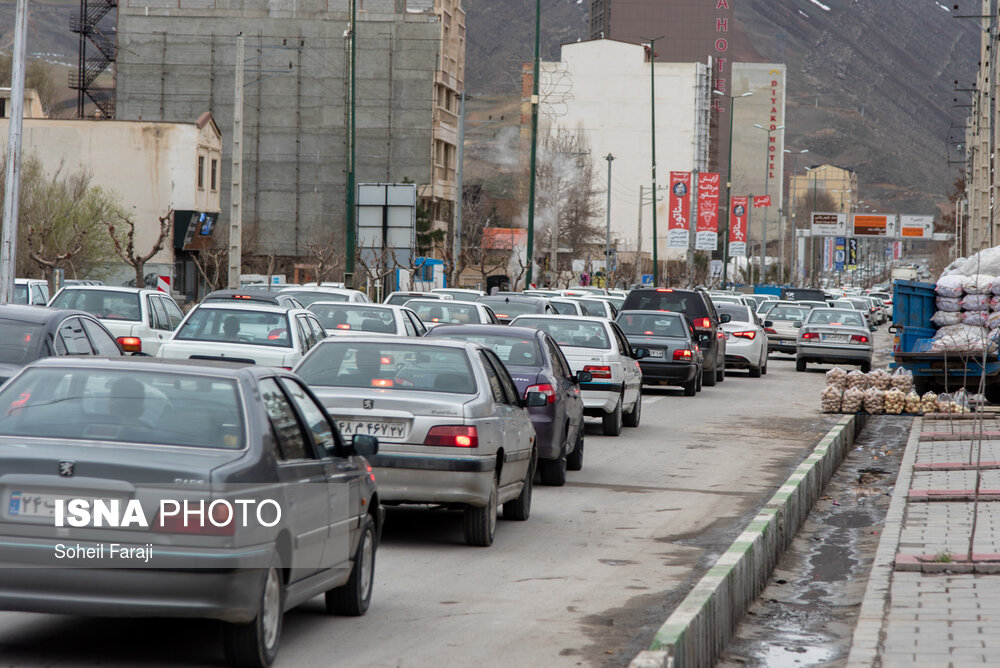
column 611, row 423
column 481, row 523
column 708, row 377
column 553, row 472
column 631, row 419
column 255, row 644
column 690, row 387
column 763, row 367
column 866, row 367
column 701, row 374
column 574, row 460
column 720, row 374
column 800, row 365
column 519, row 509
column 352, row 598
column 755, row 371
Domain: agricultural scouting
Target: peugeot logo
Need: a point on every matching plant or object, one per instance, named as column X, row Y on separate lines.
column 66, row 468
column 368, row 403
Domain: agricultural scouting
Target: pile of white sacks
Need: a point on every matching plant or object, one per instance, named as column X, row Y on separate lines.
column 968, row 304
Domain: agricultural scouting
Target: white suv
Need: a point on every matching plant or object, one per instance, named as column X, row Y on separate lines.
column 141, row 319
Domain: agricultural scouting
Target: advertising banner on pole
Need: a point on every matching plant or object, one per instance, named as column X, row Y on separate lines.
column 827, row 254
column 761, row 200
column 707, row 229
column 839, row 253
column 679, row 224
column 897, row 250
column 738, row 227
column 852, row 254
column 829, row 224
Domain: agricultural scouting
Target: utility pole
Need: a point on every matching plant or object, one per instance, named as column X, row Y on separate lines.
column 692, row 225
column 236, row 192
column 652, row 125
column 349, row 240
column 607, row 227
column 534, row 144
column 12, row 186
column 456, row 250
column 729, row 184
column 767, row 174
column 638, row 241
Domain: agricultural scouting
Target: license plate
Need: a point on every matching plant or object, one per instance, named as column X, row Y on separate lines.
column 655, row 353
column 34, row 504
column 835, row 338
column 380, row 428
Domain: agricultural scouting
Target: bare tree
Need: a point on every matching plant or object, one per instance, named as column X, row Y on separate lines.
column 327, row 259
column 122, row 235
column 213, row 266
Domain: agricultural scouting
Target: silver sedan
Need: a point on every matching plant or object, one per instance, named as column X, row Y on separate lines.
column 339, row 318
column 451, row 424
column 834, row 336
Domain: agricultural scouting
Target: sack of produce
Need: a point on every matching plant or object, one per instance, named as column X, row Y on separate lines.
column 976, row 302
column 875, row 401
column 837, row 377
column 946, row 403
column 995, row 285
column 962, row 339
column 951, row 285
column 880, row 379
column 929, row 403
column 960, row 402
column 913, row 404
column 945, row 318
column 902, row 379
column 895, row 402
column 975, row 318
column 830, row 399
column 993, row 321
column 948, row 304
column 858, row 379
column 977, row 284
column 853, row 399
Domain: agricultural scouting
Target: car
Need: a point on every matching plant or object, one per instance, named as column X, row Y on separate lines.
column 726, row 299
column 264, row 296
column 601, row 308
column 158, row 433
column 697, row 306
column 599, row 347
column 780, row 325
column 31, row 291
column 857, row 304
column 542, row 293
column 617, row 294
column 803, row 294
column 34, row 332
column 746, row 346
column 614, row 300
column 536, row 364
column 759, row 300
column 400, row 298
column 586, row 289
column 674, row 357
column 508, row 307
column 141, row 320
column 567, row 306
column 246, row 333
column 886, row 298
column 339, row 318
column 450, row 421
column 766, row 306
column 811, row 303
column 433, row 312
column 307, row 294
column 460, row 294
column 834, row 336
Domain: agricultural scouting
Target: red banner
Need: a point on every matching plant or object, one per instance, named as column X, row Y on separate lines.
column 761, row 200
column 680, row 210
column 738, row 227
column 707, row 229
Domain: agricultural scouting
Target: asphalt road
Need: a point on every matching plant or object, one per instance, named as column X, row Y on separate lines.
column 585, row 581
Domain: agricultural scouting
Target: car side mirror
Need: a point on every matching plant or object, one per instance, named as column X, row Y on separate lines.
column 724, row 318
column 536, row 399
column 582, row 377
column 874, row 328
column 769, row 323
column 640, row 353
column 797, row 324
column 364, row 445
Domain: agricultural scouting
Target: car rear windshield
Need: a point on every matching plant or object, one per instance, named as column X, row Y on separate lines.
column 19, row 341
column 355, row 317
column 571, row 332
column 641, row 324
column 803, row 294
column 236, row 326
column 822, row 316
column 20, row 294
column 388, row 366
column 307, row 297
column 787, row 313
column 442, row 311
column 107, row 304
column 399, row 300
column 123, row 405
column 512, row 350
column 511, row 309
column 565, row 308
column 681, row 301
column 737, row 313
column 592, row 307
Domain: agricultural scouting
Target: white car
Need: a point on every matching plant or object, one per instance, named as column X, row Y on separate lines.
column 597, row 307
column 434, row 312
column 567, row 306
column 401, row 297
column 31, row 291
column 339, row 318
column 599, row 346
column 260, row 334
column 460, row 293
column 307, row 294
column 142, row 320
column 746, row 340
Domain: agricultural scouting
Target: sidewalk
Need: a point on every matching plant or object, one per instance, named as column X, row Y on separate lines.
column 926, row 604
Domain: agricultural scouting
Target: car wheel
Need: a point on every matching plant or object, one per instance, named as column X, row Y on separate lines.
column 866, row 367
column 763, row 368
column 612, row 422
column 352, row 598
column 255, row 644
column 800, row 365
column 519, row 509
column 631, row 419
column 720, row 374
column 574, row 460
column 690, row 387
column 701, row 374
column 755, row 371
column 553, row 472
column 481, row 523
column 708, row 377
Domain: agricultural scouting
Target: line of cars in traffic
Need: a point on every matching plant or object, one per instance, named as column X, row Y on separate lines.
column 326, row 404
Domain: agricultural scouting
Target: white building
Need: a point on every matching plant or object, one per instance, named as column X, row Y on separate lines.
column 602, row 87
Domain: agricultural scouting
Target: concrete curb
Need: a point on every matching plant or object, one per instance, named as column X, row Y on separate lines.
column 875, row 605
column 698, row 631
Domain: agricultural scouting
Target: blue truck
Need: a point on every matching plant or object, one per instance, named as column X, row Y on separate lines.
column 914, row 304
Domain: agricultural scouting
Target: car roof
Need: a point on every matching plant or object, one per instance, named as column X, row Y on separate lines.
column 485, row 330
column 212, row 367
column 110, row 288
column 451, row 302
column 512, row 297
column 319, row 288
column 247, row 306
column 250, row 294
column 392, row 338
column 36, row 314
column 568, row 316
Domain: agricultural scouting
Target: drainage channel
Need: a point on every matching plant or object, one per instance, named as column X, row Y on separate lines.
column 806, row 614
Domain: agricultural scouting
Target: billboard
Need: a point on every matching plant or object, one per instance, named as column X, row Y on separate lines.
column 707, row 227
column 872, row 225
column 829, row 224
column 679, row 222
column 916, row 227
column 738, row 227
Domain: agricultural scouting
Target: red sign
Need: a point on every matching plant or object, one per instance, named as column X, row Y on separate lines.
column 679, row 222
column 738, row 227
column 708, row 202
column 761, row 200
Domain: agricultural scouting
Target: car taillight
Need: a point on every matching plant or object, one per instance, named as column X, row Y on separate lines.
column 382, row 382
column 721, row 334
column 703, row 323
column 664, row 289
column 343, row 326
column 544, row 388
column 744, row 335
column 130, row 344
column 452, row 436
column 810, row 335
column 598, row 371
column 859, row 338
column 770, row 330
column 682, row 355
column 222, row 514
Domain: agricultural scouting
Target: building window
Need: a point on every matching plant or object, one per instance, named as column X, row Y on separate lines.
column 215, row 174
column 201, row 172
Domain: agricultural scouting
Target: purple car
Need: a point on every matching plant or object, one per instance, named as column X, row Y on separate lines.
column 536, row 364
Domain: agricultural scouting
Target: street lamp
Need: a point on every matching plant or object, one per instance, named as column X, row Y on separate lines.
column 795, row 240
column 729, row 181
column 607, row 227
column 767, row 173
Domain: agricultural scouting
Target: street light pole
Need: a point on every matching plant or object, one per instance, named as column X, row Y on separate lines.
column 729, row 183
column 534, row 144
column 607, row 227
column 795, row 240
column 652, row 125
column 767, row 173
column 349, row 239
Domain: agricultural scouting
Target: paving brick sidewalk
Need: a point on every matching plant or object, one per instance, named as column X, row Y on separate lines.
column 920, row 608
